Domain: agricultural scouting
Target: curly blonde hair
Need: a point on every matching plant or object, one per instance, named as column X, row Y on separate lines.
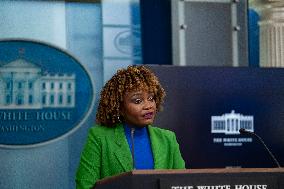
column 126, row 80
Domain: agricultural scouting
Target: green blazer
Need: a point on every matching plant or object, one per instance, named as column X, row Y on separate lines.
column 107, row 153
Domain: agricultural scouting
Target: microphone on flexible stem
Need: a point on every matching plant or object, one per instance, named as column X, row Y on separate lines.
column 244, row 131
column 132, row 149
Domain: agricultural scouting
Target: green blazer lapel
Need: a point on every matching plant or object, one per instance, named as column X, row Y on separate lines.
column 122, row 151
column 156, row 149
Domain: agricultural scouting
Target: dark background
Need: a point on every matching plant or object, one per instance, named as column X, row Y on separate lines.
column 194, row 94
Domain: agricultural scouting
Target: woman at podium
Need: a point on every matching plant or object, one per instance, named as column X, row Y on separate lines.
column 123, row 138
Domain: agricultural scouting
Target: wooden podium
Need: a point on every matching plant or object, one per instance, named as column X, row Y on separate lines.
column 229, row 178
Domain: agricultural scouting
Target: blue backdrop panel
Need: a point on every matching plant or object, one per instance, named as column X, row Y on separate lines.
column 195, row 94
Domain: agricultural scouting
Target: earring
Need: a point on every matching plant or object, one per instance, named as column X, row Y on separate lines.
column 118, row 118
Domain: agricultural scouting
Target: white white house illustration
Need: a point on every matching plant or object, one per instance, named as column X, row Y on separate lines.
column 230, row 123
column 24, row 86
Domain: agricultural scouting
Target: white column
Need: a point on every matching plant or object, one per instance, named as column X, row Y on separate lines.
column 271, row 28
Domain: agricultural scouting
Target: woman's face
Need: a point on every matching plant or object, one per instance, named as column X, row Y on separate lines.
column 139, row 108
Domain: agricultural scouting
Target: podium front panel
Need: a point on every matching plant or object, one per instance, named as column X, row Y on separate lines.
column 197, row 179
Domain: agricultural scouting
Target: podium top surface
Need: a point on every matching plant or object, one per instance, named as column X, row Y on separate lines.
column 192, row 171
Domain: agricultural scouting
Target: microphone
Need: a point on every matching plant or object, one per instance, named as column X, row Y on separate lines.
column 132, row 149
column 244, row 131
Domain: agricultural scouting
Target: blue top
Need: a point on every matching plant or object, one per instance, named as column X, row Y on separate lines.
column 142, row 147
